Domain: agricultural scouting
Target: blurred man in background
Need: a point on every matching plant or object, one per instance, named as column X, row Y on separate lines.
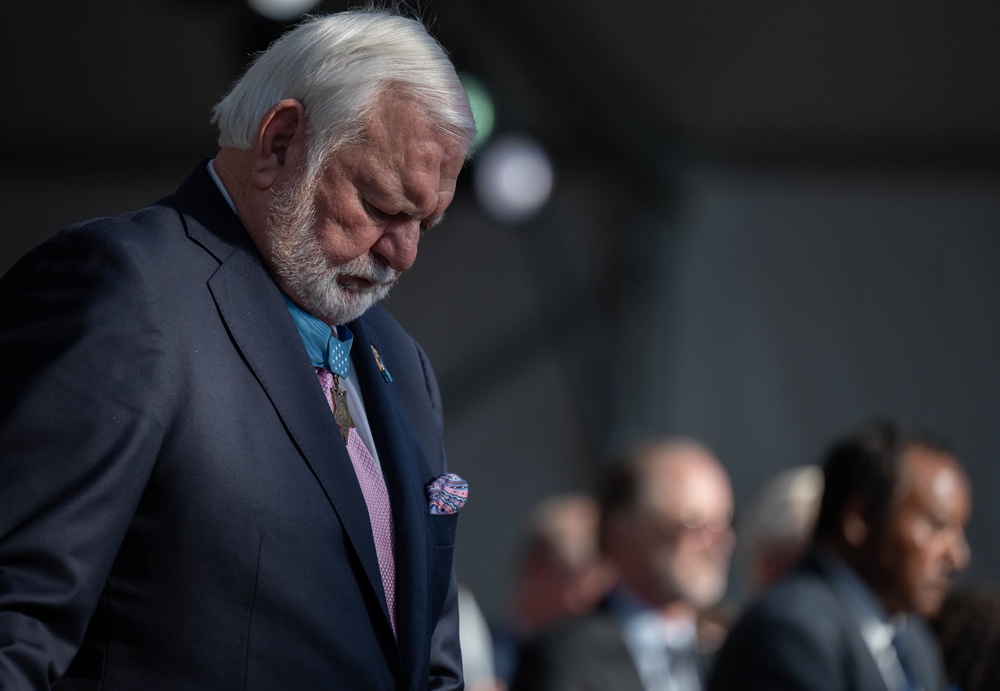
column 889, row 538
column 776, row 528
column 560, row 573
column 666, row 510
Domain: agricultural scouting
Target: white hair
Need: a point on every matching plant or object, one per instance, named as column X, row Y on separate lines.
column 337, row 66
column 779, row 520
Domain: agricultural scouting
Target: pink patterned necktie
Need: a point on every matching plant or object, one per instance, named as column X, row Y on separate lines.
column 376, row 497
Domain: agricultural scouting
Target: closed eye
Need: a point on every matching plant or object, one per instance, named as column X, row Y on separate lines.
column 381, row 217
column 376, row 213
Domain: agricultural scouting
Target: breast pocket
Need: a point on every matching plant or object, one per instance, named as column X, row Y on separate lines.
column 442, row 530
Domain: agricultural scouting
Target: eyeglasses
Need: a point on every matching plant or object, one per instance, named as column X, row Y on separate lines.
column 693, row 517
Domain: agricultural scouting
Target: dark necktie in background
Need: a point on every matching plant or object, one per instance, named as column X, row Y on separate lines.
column 683, row 664
column 909, row 679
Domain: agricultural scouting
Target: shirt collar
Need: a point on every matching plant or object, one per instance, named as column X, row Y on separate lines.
column 222, row 188
column 646, row 626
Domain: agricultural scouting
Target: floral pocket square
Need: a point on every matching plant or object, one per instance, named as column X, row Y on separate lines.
column 447, row 494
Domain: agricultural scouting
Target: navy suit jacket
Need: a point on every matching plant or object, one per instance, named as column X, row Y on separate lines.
column 801, row 636
column 177, row 508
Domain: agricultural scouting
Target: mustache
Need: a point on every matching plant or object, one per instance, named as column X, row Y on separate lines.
column 370, row 269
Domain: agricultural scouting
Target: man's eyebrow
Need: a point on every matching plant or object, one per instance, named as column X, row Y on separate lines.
column 436, row 221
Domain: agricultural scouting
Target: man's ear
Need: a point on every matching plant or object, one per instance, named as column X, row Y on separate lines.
column 281, row 131
column 855, row 523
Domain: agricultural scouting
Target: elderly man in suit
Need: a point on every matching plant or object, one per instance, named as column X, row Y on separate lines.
column 889, row 538
column 666, row 508
column 222, row 462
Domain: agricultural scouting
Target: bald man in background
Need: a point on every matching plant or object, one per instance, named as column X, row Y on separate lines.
column 666, row 510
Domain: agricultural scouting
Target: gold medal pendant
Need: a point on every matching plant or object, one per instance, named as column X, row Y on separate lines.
column 341, row 412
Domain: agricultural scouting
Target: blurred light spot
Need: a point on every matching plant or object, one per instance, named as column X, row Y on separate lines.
column 513, row 178
column 282, row 10
column 482, row 107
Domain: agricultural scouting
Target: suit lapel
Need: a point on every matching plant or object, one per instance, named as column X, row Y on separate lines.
column 262, row 329
column 924, row 657
column 612, row 663
column 406, row 474
column 866, row 671
column 255, row 315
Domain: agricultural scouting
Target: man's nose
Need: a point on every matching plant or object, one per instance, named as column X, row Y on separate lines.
column 397, row 246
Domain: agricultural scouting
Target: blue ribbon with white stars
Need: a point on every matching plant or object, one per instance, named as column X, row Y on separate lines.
column 322, row 343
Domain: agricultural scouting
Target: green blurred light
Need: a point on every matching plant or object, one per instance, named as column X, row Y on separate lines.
column 482, row 107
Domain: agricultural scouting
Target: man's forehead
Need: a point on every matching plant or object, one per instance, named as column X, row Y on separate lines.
column 683, row 476
column 410, row 162
column 932, row 478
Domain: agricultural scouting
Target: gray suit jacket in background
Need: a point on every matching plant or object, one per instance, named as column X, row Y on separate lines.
column 587, row 653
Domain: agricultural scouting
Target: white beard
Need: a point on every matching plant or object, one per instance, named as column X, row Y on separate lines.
column 299, row 261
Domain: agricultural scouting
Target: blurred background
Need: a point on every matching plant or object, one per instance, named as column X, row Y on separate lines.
column 756, row 223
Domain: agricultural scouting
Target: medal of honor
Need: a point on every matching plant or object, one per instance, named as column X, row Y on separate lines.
column 341, row 411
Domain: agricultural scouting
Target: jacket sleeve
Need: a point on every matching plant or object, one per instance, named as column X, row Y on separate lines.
column 80, row 428
column 446, row 655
